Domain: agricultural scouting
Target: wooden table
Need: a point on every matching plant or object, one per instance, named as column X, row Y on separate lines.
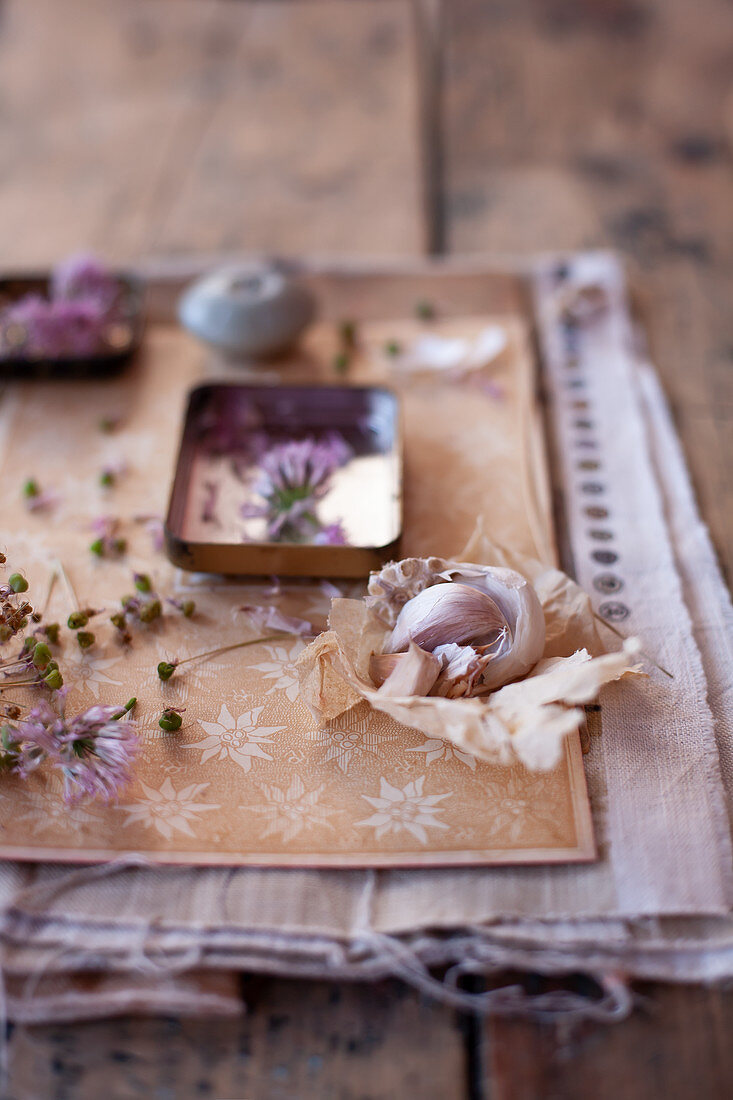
column 388, row 127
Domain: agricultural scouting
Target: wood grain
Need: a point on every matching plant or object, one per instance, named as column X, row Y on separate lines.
column 134, row 127
column 676, row 1045
column 297, row 1041
column 586, row 123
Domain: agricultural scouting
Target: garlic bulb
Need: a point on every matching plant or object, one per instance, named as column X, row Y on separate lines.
column 484, row 624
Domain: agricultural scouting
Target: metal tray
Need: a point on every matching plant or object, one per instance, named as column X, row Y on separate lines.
column 99, row 365
column 216, row 471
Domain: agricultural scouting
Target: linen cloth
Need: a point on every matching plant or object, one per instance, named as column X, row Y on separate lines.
column 657, row 904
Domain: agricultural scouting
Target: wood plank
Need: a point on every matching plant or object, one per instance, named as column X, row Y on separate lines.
column 305, row 1041
column 134, row 127
column 585, row 123
column 676, row 1045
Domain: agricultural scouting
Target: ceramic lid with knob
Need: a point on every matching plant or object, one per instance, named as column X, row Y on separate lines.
column 248, row 310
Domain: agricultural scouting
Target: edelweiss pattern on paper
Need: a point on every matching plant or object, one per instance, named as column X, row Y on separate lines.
column 250, row 777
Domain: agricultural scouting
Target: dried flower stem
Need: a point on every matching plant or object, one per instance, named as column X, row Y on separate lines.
column 73, row 598
column 235, row 645
column 49, row 592
column 623, row 639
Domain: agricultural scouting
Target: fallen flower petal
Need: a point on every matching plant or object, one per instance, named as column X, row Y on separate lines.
column 271, row 618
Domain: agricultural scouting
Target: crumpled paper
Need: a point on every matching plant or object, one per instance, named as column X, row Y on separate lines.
column 524, row 721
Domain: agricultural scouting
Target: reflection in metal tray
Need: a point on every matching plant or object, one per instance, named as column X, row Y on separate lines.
column 217, row 521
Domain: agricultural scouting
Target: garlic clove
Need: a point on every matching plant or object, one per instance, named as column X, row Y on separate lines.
column 381, row 665
column 446, row 613
column 410, row 673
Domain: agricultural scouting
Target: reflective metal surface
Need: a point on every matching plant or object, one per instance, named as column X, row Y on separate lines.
column 213, row 522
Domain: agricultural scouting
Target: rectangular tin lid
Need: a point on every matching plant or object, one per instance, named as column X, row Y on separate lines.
column 228, row 515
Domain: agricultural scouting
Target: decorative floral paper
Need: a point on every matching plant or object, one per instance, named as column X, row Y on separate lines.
column 250, row 778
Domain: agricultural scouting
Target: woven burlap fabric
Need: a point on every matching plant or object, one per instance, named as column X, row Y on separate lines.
column 656, row 904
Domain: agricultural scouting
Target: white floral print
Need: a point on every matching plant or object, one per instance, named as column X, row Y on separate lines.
column 86, row 673
column 350, row 738
column 280, row 669
column 167, row 810
column 404, row 809
column 240, row 740
column 289, row 812
column 437, row 749
column 520, row 810
column 44, row 810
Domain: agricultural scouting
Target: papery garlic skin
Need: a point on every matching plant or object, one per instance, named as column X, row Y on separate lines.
column 485, row 623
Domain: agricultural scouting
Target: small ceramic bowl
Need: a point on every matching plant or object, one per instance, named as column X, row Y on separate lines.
column 249, row 311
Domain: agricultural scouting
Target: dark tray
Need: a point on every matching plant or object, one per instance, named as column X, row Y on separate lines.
column 220, row 423
column 100, row 364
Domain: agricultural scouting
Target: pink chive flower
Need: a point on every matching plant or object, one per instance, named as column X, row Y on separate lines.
column 36, row 327
column 294, row 477
column 332, row 535
column 154, row 526
column 84, row 277
column 271, row 618
column 208, row 505
column 95, row 750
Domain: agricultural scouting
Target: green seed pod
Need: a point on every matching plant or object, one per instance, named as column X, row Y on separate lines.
column 41, row 655
column 166, row 670
column 51, row 630
column 85, row 638
column 151, row 611
column 347, row 332
column 143, row 582
column 54, row 679
column 187, row 608
column 17, row 582
column 341, row 362
column 118, row 620
column 30, row 489
column 77, row 619
column 97, row 547
column 170, row 721
column 424, row 310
